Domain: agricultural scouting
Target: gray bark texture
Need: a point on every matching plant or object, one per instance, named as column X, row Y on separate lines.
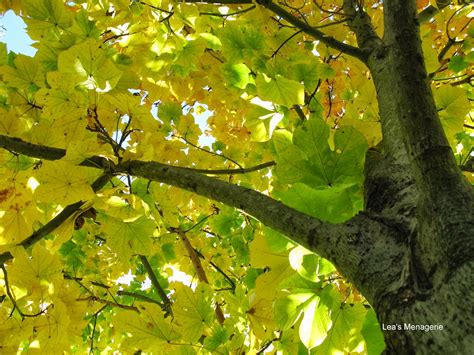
column 411, row 251
column 415, row 187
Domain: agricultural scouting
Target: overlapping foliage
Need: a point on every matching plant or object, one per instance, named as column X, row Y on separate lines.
column 140, row 265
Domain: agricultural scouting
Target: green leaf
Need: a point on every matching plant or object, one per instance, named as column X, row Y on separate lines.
column 280, row 90
column 325, row 182
column 343, row 165
column 169, row 111
column 236, row 74
column 315, row 324
column 300, row 294
column 453, row 106
column 469, row 58
column 88, row 64
column 287, row 310
column 27, row 74
column 457, row 64
column 344, row 335
column 189, row 54
column 213, row 42
column 84, row 27
column 3, row 53
column 73, row 255
column 308, row 264
column 262, row 122
column 194, row 310
column 276, row 241
column 289, row 343
column 332, row 204
column 241, row 41
column 291, row 160
column 226, row 221
column 310, row 159
column 219, row 336
column 372, row 334
column 306, row 72
column 129, row 238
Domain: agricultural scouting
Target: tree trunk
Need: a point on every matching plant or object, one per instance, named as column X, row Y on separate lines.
column 415, row 187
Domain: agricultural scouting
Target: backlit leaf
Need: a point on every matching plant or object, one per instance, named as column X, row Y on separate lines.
column 64, row 184
column 280, row 90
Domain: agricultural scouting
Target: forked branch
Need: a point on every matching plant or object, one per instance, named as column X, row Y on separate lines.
column 312, row 31
column 348, row 245
column 299, row 24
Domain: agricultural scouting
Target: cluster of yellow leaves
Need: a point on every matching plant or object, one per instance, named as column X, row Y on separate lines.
column 38, row 286
column 153, row 80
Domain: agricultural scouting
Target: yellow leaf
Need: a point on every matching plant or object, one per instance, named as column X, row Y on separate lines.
column 14, row 227
column 87, row 63
column 193, row 310
column 35, row 272
column 10, row 124
column 147, row 331
column 260, row 315
column 63, row 183
column 26, row 74
column 13, row 331
column 130, row 238
column 51, row 329
column 59, row 103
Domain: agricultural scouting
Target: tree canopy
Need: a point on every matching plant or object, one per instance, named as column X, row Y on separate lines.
column 169, row 169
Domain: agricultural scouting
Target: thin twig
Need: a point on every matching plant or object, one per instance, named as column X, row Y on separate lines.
column 299, row 112
column 139, row 297
column 213, row 55
column 332, row 13
column 218, row 269
column 12, row 298
column 93, row 298
column 197, row 267
column 230, row 14
column 200, row 222
column 156, row 284
column 96, row 314
column 207, row 151
column 285, row 42
column 231, row 171
column 155, row 7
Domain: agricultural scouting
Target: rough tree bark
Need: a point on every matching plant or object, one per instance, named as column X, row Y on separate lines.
column 414, row 186
column 410, row 252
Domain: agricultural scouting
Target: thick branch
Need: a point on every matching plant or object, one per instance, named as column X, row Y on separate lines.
column 446, row 227
column 19, row 146
column 321, row 36
column 279, row 11
column 57, row 221
column 358, row 247
column 361, row 25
